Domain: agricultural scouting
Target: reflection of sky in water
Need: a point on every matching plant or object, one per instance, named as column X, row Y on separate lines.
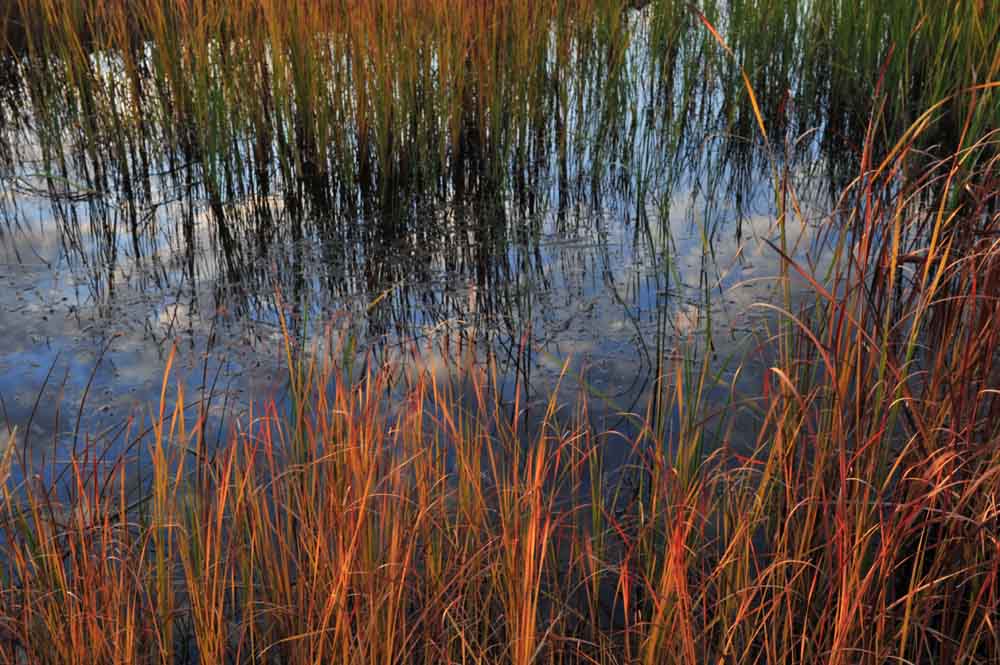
column 601, row 290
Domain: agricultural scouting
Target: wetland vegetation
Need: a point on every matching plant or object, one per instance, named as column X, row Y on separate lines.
column 499, row 331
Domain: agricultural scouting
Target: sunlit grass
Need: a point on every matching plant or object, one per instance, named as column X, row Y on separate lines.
column 363, row 524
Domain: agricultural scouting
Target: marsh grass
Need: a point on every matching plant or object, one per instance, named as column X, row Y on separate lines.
column 365, row 523
column 353, row 105
column 344, row 123
column 861, row 527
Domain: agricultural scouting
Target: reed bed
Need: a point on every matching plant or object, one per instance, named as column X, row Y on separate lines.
column 359, row 117
column 338, row 105
column 358, row 524
column 361, row 522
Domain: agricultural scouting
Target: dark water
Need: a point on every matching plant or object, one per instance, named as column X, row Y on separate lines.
column 666, row 258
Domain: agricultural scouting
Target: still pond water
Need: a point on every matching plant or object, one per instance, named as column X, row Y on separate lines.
column 667, row 258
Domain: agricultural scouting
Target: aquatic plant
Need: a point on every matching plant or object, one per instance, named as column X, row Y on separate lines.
column 380, row 517
column 861, row 527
